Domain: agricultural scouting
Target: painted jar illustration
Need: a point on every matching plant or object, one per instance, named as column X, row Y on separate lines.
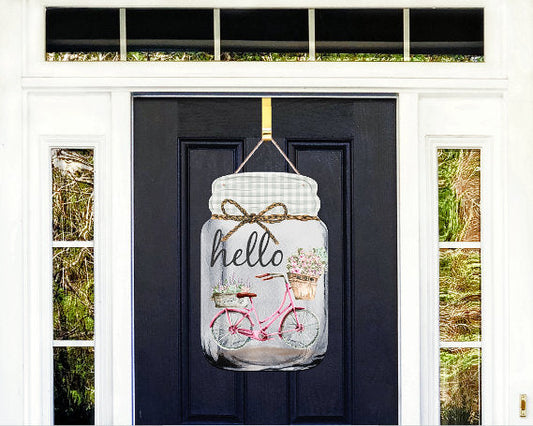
column 264, row 274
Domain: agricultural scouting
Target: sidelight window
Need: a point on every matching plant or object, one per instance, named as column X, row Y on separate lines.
column 460, row 285
column 73, row 285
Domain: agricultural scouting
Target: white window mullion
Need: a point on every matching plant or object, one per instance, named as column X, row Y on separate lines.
column 406, row 35
column 216, row 33
column 123, row 35
column 461, row 345
column 312, row 34
column 73, row 343
column 459, row 245
column 70, row 244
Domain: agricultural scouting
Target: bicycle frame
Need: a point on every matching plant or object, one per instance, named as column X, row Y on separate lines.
column 261, row 333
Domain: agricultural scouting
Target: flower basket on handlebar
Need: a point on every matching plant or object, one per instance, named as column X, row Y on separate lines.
column 303, row 286
column 228, row 300
column 224, row 293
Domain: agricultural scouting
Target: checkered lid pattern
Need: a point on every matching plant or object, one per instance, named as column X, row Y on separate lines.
column 256, row 190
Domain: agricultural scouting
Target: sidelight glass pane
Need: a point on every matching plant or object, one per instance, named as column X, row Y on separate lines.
column 459, row 194
column 73, row 194
column 460, row 295
column 73, row 293
column 264, row 34
column 460, row 386
column 74, row 386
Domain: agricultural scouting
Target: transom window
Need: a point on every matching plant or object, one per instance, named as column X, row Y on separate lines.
column 134, row 34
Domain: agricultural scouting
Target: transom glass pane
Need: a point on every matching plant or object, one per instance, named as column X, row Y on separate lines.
column 170, row 34
column 264, row 34
column 71, row 33
column 344, row 33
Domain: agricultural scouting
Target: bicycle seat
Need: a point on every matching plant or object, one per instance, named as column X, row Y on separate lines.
column 241, row 295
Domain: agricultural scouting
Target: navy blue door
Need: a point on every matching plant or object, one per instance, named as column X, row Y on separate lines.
column 349, row 147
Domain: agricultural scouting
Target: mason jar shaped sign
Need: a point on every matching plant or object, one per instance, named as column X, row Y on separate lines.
column 264, row 274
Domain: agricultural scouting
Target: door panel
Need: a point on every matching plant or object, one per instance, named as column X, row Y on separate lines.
column 349, row 147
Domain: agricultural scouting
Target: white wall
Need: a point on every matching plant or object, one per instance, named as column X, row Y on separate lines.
column 11, row 214
column 520, row 204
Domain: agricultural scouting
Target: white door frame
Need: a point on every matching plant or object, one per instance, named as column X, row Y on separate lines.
column 34, row 93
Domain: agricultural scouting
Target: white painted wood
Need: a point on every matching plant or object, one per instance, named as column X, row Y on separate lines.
column 462, row 345
column 406, row 35
column 72, row 243
column 73, row 343
column 312, row 41
column 123, row 35
column 459, row 245
column 409, row 261
column 35, row 66
column 13, row 265
column 278, row 4
column 86, row 127
column 120, row 256
column 216, row 33
column 454, row 123
column 272, row 85
column 519, row 203
column 232, row 72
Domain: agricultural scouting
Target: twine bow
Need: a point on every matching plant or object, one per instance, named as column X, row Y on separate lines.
column 260, row 218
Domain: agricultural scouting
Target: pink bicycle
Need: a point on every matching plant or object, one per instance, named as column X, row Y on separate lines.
column 232, row 328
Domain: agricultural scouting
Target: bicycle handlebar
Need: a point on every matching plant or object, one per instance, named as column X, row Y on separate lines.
column 268, row 276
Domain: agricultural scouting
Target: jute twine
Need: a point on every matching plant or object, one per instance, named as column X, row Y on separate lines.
column 260, row 218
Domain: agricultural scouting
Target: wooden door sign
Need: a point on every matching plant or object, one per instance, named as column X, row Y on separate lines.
column 264, row 273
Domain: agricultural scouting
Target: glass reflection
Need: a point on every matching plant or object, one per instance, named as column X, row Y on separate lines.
column 460, row 295
column 459, row 194
column 460, row 383
column 73, row 386
column 73, row 293
column 73, row 194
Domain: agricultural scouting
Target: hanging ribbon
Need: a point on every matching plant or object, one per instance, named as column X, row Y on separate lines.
column 260, row 218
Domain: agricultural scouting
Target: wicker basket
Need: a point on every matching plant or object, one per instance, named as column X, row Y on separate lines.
column 303, row 286
column 228, row 300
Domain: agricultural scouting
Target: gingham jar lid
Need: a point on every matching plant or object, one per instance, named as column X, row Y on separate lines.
column 256, row 190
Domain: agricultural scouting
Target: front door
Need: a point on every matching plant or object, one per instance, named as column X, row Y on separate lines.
column 348, row 145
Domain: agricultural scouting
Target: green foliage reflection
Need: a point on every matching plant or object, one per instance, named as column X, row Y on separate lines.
column 460, row 386
column 460, row 295
column 73, row 386
column 459, row 194
column 73, row 194
column 73, row 293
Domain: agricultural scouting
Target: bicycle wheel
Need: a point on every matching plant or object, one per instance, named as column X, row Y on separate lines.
column 225, row 327
column 302, row 338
